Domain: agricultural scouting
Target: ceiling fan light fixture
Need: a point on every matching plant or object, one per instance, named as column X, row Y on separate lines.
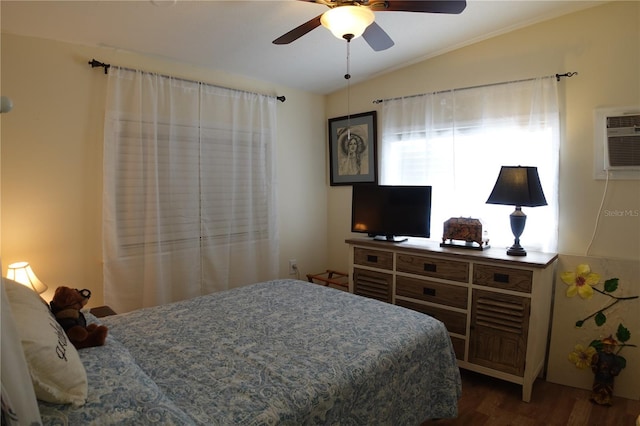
column 347, row 20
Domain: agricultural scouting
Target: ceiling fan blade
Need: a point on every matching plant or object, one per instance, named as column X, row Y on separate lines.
column 299, row 31
column 426, row 6
column 377, row 38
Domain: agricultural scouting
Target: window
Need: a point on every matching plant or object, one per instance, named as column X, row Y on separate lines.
column 456, row 141
column 189, row 199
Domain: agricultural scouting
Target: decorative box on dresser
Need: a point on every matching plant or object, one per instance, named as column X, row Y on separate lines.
column 496, row 307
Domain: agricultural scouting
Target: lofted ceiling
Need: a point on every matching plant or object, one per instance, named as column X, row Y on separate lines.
column 235, row 36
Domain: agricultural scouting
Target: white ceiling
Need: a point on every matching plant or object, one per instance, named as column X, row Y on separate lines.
column 235, row 36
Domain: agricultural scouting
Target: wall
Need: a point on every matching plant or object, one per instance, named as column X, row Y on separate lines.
column 603, row 45
column 52, row 160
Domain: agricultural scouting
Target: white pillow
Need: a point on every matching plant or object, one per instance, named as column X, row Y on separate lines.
column 56, row 371
column 19, row 405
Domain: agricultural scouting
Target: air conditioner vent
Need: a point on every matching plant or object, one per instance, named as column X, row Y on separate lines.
column 616, row 143
column 623, row 121
column 624, row 151
column 623, row 141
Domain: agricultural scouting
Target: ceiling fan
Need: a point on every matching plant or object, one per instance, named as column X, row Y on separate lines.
column 349, row 19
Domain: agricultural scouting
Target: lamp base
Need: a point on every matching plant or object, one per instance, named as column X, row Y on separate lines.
column 516, row 250
column 518, row 220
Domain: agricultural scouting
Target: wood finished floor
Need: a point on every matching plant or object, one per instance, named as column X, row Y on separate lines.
column 491, row 402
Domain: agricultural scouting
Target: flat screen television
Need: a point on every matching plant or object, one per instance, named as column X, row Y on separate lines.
column 391, row 213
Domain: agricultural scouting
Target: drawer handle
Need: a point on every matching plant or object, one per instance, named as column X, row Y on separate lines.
column 501, row 278
column 372, row 258
column 429, row 291
column 430, row 267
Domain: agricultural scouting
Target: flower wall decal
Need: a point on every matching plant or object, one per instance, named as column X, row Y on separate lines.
column 582, row 356
column 581, row 281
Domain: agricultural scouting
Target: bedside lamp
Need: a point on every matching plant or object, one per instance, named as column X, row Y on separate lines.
column 22, row 273
column 518, row 186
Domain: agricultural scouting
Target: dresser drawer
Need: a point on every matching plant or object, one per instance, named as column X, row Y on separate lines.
column 433, row 267
column 501, row 277
column 441, row 294
column 375, row 258
column 455, row 322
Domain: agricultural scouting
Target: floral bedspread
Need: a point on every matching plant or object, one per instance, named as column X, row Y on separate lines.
column 282, row 352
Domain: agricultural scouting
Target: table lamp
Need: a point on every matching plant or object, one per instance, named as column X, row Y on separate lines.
column 518, row 186
column 22, row 273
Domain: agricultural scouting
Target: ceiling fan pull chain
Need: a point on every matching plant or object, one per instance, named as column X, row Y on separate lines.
column 347, row 77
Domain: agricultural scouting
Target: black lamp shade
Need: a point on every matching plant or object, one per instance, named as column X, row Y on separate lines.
column 518, row 186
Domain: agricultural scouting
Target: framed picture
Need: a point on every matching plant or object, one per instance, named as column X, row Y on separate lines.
column 352, row 149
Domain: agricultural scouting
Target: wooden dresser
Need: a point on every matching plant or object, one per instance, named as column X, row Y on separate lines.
column 496, row 307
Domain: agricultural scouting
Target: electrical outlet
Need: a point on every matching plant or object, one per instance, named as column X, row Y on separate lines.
column 293, row 266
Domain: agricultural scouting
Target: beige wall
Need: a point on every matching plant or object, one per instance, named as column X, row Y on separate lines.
column 52, row 160
column 603, row 45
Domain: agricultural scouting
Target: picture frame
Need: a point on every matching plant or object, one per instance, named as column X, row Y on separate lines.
column 353, row 149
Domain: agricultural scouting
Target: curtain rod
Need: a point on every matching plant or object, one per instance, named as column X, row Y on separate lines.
column 557, row 76
column 94, row 64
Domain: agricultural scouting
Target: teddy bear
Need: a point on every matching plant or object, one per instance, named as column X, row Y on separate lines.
column 65, row 306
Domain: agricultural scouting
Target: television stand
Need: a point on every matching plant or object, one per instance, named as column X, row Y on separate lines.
column 390, row 238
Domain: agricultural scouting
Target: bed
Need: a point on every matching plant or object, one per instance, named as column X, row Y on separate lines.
column 282, row 352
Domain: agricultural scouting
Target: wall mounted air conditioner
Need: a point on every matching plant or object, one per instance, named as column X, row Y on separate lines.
column 617, row 143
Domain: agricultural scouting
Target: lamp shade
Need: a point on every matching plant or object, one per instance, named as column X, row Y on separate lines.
column 6, row 104
column 22, row 273
column 347, row 20
column 518, row 186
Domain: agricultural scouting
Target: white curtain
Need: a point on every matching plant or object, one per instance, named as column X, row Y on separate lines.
column 457, row 141
column 189, row 189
